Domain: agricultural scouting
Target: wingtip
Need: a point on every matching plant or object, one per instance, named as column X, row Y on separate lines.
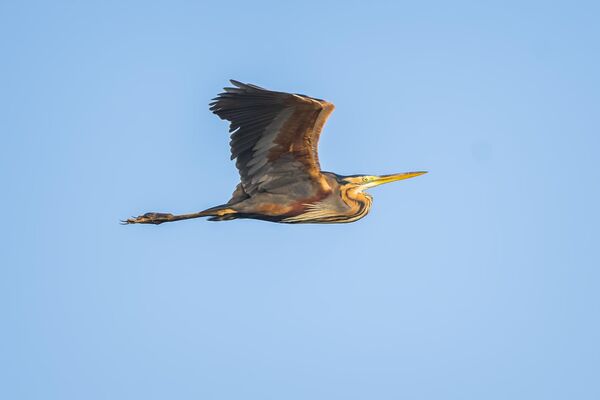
column 246, row 86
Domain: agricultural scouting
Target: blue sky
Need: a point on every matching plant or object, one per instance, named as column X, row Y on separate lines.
column 476, row 281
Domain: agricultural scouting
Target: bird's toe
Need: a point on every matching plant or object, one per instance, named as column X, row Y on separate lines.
column 148, row 218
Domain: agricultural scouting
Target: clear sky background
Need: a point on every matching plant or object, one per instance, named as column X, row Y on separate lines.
column 478, row 281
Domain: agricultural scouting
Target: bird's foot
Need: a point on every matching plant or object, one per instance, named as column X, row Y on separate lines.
column 149, row 218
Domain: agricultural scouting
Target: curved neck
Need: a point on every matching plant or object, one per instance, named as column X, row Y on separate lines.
column 358, row 201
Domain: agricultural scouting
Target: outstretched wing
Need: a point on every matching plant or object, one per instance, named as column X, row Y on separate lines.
column 274, row 135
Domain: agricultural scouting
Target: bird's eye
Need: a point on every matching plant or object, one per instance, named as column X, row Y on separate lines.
column 365, row 179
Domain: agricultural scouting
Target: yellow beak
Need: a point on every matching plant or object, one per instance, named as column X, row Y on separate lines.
column 380, row 180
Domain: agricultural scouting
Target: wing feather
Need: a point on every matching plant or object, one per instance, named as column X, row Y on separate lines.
column 274, row 135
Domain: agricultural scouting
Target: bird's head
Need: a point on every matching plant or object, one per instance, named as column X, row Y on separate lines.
column 364, row 182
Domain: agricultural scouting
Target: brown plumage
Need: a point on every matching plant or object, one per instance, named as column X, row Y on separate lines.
column 274, row 140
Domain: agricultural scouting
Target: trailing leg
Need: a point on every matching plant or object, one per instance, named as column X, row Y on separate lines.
column 219, row 213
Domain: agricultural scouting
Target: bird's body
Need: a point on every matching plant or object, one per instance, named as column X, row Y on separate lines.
column 337, row 202
column 274, row 139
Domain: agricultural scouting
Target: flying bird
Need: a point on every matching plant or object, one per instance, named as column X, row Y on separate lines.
column 274, row 139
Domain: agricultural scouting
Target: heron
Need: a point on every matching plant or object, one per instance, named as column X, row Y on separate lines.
column 274, row 138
